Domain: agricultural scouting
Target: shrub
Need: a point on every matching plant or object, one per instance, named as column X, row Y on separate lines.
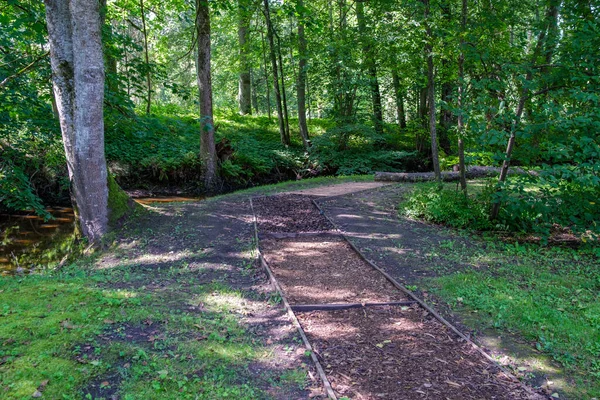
column 434, row 203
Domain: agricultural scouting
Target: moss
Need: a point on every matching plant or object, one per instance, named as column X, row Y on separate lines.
column 119, row 203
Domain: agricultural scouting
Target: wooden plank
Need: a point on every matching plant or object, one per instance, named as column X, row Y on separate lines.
column 293, row 235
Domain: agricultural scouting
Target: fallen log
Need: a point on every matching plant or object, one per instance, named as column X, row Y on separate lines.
column 447, row 176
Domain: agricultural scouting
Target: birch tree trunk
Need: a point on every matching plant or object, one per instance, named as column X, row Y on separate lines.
column 208, row 152
column 74, row 32
column 244, row 94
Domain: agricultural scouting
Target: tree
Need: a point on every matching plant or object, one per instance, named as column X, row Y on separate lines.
column 74, row 30
column 431, row 92
column 244, row 93
column 461, row 98
column 371, row 67
column 285, row 139
column 301, row 85
column 208, row 153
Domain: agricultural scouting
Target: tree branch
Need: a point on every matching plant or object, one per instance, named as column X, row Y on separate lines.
column 23, row 70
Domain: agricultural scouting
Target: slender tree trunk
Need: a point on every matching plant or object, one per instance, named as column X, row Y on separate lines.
column 399, row 100
column 286, row 118
column 284, row 138
column 74, row 32
column 254, row 91
column 147, row 58
column 266, row 70
column 244, row 95
column 208, row 152
column 423, row 106
column 447, row 87
column 301, row 85
column 431, row 96
column 461, row 94
column 523, row 98
column 371, row 67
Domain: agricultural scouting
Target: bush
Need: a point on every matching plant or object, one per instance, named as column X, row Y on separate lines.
column 433, row 203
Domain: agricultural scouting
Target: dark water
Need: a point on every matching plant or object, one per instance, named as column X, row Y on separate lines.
column 28, row 242
column 26, row 239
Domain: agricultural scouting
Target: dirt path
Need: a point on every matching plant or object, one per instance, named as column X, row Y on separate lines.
column 383, row 352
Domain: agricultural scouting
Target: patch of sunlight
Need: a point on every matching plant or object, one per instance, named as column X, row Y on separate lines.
column 223, row 301
column 230, row 352
column 374, row 235
column 511, row 353
column 112, row 261
column 349, row 216
column 332, row 330
column 396, row 250
column 119, row 294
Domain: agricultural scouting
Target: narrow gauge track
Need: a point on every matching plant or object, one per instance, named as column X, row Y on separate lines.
column 369, row 337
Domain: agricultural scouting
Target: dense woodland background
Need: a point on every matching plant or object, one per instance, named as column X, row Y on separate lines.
column 307, row 88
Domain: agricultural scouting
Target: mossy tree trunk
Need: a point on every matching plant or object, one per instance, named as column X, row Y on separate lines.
column 74, row 30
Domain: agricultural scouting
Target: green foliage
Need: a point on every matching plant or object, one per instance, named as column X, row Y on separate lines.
column 16, row 192
column 435, row 203
column 358, row 149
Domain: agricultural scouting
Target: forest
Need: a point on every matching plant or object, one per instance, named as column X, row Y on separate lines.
column 477, row 119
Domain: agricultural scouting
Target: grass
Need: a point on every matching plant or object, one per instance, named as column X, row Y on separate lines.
column 548, row 296
column 54, row 330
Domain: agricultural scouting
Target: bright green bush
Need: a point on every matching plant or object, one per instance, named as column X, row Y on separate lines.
column 434, row 203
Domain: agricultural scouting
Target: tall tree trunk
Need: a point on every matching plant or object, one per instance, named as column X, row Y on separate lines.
column 371, row 67
column 286, row 117
column 244, row 95
column 422, row 114
column 147, row 58
column 285, row 140
column 74, row 31
column 461, row 98
column 301, row 85
column 208, row 152
column 431, row 95
column 266, row 70
column 399, row 100
column 446, row 117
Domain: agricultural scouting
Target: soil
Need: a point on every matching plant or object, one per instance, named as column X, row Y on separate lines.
column 392, row 353
column 289, row 213
column 315, row 270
